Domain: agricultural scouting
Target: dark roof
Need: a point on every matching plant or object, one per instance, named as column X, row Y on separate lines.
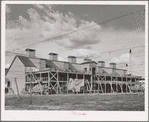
column 101, row 62
column 6, row 70
column 26, row 61
column 113, row 63
column 51, row 64
column 89, row 62
column 53, row 54
column 72, row 57
column 72, row 67
column 30, row 49
column 111, row 68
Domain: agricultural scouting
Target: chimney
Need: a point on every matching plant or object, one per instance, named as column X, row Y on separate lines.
column 113, row 65
column 53, row 56
column 101, row 63
column 30, row 52
column 72, row 59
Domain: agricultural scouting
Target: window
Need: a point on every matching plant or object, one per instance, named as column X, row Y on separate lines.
column 85, row 69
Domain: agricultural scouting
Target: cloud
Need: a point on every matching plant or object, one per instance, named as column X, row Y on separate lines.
column 123, row 58
column 53, row 23
column 85, row 53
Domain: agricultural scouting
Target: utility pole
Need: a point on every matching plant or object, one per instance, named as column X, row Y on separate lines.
column 130, row 62
column 17, row 87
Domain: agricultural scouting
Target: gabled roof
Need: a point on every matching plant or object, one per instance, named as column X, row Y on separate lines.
column 6, row 70
column 26, row 61
column 89, row 62
column 51, row 64
column 53, row 54
column 72, row 57
column 30, row 49
column 101, row 62
column 113, row 63
column 72, row 67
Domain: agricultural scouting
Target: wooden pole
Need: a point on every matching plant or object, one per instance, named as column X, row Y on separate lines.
column 57, row 82
column 84, row 82
column 126, row 85
column 116, row 85
column 98, row 87
column 67, row 81
column 91, row 80
column 76, row 79
column 110, row 84
column 48, row 82
column 17, row 87
column 105, row 82
column 30, row 92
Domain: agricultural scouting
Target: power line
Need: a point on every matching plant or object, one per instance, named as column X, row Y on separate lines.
column 79, row 29
column 100, row 53
column 121, row 49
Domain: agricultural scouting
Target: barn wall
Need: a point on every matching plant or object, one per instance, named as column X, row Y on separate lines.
column 42, row 64
column 87, row 66
column 99, row 70
column 17, row 70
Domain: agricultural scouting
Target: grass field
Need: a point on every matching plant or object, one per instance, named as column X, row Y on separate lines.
column 87, row 102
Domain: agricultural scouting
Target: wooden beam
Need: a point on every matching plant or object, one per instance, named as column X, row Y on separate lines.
column 48, row 82
column 91, row 84
column 126, row 85
column 105, row 83
column 57, row 82
column 17, row 87
column 67, row 81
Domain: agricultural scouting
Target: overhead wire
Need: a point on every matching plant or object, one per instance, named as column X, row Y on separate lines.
column 80, row 29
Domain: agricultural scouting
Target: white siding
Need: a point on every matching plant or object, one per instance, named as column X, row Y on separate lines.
column 17, row 70
column 42, row 64
column 87, row 66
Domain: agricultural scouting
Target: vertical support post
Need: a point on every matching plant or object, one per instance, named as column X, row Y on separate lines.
column 105, row 83
column 30, row 92
column 67, row 81
column 84, row 83
column 76, row 75
column 122, row 84
column 126, row 84
column 131, row 83
column 57, row 82
column 110, row 83
column 91, row 84
column 98, row 87
column 48, row 82
column 40, row 76
column 135, row 84
column 17, row 87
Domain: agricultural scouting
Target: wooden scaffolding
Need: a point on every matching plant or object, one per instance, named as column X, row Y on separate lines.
column 56, row 81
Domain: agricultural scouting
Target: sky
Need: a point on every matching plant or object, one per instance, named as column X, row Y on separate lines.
column 32, row 23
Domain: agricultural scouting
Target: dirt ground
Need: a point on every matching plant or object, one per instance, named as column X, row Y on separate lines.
column 86, row 102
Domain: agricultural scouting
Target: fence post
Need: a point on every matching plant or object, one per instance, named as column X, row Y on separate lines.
column 17, row 87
